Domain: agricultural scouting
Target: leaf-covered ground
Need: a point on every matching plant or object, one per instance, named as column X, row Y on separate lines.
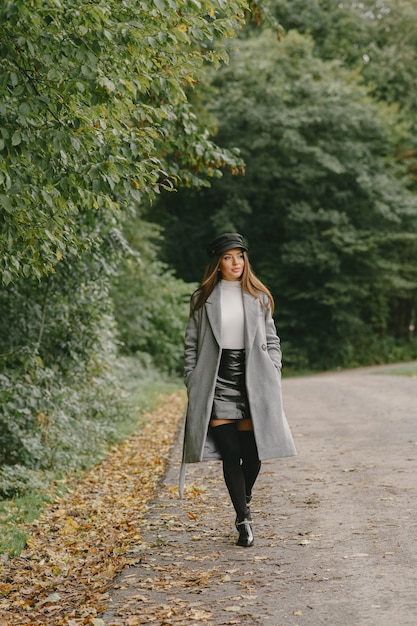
column 85, row 538
column 333, row 527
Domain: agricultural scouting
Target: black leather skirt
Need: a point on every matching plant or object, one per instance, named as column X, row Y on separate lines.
column 230, row 399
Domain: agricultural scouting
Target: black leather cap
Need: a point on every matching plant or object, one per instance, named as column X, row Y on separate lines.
column 224, row 242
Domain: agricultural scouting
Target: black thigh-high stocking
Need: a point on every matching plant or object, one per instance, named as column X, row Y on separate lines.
column 227, row 440
column 251, row 464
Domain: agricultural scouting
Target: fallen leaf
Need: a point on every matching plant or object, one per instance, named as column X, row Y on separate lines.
column 200, row 615
column 54, row 597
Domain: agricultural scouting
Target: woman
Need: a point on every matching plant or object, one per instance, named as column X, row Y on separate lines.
column 233, row 377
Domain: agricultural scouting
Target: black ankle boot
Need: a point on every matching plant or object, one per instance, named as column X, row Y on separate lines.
column 245, row 533
column 247, row 515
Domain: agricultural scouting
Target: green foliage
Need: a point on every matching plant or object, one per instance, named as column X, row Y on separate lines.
column 93, row 108
column 151, row 305
column 330, row 223
column 337, row 28
column 57, row 341
column 49, row 423
column 19, row 479
column 377, row 39
column 95, row 119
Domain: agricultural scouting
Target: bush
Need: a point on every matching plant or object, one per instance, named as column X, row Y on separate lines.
column 60, row 404
column 151, row 305
column 49, row 424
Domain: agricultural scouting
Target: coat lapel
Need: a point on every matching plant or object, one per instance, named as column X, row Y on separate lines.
column 214, row 314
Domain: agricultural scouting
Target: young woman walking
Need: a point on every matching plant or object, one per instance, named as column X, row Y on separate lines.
column 233, row 376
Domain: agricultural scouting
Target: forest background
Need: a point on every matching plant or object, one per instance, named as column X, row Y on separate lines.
column 132, row 132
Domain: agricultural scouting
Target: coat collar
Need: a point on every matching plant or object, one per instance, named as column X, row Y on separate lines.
column 250, row 306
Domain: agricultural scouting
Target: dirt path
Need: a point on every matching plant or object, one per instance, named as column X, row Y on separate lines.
column 335, row 527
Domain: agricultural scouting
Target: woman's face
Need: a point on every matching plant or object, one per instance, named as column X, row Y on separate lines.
column 231, row 264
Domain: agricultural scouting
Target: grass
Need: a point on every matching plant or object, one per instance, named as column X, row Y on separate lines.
column 142, row 387
column 409, row 369
column 14, row 514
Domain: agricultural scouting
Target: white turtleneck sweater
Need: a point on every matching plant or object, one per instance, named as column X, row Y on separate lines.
column 233, row 317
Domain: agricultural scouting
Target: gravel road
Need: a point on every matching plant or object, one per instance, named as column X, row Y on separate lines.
column 335, row 527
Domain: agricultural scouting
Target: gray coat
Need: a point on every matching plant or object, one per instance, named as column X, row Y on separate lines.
column 263, row 380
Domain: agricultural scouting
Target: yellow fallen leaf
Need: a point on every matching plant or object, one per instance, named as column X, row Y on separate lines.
column 70, row 526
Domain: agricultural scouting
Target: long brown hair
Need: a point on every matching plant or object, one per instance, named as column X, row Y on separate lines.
column 212, row 275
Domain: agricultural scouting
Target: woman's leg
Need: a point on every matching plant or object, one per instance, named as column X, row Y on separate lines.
column 251, row 464
column 226, row 437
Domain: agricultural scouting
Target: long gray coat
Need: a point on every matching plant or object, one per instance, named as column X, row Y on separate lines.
column 263, row 380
